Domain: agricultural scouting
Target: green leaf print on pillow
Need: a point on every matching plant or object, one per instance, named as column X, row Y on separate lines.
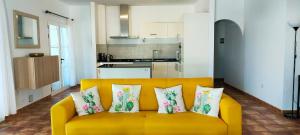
column 90, row 106
column 126, row 100
column 202, row 106
column 206, row 108
column 118, row 107
column 171, row 104
column 129, row 106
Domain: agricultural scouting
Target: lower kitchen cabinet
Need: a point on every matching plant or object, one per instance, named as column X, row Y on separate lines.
column 166, row 70
column 159, row 69
column 173, row 70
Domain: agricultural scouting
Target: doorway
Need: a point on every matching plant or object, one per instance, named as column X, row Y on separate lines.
column 229, row 53
column 58, row 42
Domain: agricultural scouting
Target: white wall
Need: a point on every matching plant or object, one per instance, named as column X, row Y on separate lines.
column 85, row 51
column 268, row 43
column 203, row 6
column 37, row 8
column 231, row 10
column 265, row 29
column 196, row 54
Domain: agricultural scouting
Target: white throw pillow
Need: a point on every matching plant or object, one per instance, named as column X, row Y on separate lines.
column 125, row 98
column 207, row 101
column 170, row 100
column 87, row 102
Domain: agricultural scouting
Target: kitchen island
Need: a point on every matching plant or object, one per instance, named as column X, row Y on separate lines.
column 117, row 71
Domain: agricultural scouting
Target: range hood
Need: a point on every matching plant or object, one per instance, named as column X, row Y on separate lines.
column 124, row 24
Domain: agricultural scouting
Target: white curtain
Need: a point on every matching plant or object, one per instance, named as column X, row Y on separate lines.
column 7, row 89
column 68, row 68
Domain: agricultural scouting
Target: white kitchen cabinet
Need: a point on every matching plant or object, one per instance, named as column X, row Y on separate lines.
column 174, row 29
column 166, row 70
column 161, row 29
column 154, row 30
column 173, row 70
column 100, row 24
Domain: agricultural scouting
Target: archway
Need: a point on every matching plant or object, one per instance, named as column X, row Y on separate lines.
column 229, row 53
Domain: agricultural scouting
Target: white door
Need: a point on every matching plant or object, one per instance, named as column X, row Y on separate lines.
column 58, row 39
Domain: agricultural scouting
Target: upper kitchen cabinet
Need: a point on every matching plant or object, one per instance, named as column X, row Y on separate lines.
column 153, row 30
column 100, row 24
column 175, row 29
column 161, row 30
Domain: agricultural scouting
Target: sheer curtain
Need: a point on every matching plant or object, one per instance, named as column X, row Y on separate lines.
column 68, row 68
column 7, row 89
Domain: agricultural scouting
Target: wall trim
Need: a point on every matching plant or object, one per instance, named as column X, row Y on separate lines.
column 259, row 101
column 28, row 106
column 53, row 93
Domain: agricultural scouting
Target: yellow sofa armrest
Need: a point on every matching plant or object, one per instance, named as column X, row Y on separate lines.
column 231, row 113
column 61, row 113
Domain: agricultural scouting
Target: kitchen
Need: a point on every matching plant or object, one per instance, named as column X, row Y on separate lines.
column 133, row 42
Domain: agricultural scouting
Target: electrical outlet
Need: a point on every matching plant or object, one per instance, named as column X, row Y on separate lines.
column 30, row 98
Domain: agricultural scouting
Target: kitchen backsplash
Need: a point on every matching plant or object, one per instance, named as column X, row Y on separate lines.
column 138, row 51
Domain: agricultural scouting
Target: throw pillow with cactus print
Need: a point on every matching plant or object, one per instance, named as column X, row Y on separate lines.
column 125, row 98
column 207, row 101
column 170, row 100
column 87, row 102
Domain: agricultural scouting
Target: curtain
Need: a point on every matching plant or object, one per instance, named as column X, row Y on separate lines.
column 68, row 67
column 7, row 89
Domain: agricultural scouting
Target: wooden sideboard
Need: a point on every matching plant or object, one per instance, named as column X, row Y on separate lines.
column 35, row 72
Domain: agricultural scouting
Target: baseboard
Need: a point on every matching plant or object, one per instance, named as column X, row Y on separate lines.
column 259, row 101
column 289, row 111
column 53, row 93
column 28, row 106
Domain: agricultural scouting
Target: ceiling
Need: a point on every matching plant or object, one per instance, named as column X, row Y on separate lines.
column 132, row 2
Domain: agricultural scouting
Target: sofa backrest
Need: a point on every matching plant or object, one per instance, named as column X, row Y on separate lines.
column 148, row 100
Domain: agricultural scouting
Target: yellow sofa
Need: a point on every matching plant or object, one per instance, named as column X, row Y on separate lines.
column 64, row 120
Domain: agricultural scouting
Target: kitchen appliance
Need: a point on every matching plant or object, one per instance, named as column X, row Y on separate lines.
column 178, row 55
column 101, row 57
column 109, row 57
column 156, row 54
column 124, row 24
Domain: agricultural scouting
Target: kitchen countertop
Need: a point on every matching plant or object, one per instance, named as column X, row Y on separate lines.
column 142, row 60
column 134, row 65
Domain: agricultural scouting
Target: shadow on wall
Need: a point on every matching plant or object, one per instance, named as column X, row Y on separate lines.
column 229, row 53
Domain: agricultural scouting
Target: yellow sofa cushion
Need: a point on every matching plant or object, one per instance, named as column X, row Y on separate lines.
column 106, row 123
column 146, row 123
column 148, row 100
column 187, row 123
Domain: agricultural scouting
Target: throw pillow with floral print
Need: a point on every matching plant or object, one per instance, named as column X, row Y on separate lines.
column 207, row 101
column 87, row 102
column 170, row 100
column 125, row 98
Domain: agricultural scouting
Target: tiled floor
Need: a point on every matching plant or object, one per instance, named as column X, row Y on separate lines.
column 258, row 119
